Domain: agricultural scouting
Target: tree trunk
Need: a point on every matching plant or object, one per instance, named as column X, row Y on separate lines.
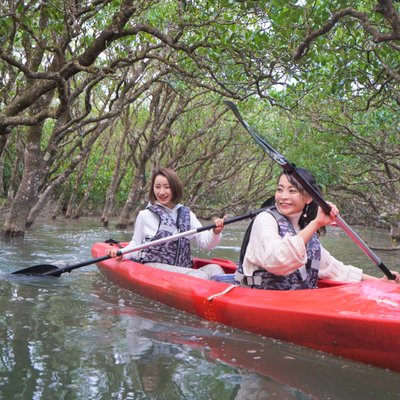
column 118, row 174
column 110, row 198
column 78, row 180
column 71, row 201
column 17, row 166
column 135, row 200
column 78, row 212
column 395, row 232
column 3, row 140
column 59, row 207
column 61, row 179
column 43, row 197
column 2, row 187
column 15, row 224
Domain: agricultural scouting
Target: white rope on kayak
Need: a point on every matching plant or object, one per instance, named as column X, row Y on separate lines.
column 228, row 289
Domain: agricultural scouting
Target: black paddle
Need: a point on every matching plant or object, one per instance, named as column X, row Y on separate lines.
column 292, row 170
column 53, row 270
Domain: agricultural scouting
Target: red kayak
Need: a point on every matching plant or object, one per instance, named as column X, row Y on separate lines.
column 359, row 321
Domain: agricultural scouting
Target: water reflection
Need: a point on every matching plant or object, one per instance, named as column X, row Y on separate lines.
column 81, row 337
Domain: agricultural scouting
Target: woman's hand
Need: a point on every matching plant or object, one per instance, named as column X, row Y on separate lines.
column 323, row 219
column 396, row 277
column 219, row 222
column 366, row 277
column 113, row 253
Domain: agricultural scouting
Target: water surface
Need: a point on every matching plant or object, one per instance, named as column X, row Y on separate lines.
column 81, row 337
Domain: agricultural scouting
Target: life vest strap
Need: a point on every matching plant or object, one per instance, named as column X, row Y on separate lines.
column 246, row 280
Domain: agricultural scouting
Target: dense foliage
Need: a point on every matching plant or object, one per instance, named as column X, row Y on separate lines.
column 96, row 95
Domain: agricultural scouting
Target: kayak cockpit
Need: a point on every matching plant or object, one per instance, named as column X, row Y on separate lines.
column 229, row 268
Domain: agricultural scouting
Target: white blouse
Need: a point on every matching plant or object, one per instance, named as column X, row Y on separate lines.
column 282, row 256
column 146, row 226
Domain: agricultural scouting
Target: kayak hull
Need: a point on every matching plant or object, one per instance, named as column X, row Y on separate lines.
column 359, row 321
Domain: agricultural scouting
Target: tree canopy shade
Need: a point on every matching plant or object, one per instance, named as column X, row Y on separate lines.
column 95, row 95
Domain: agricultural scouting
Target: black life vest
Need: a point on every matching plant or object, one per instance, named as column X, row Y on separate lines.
column 177, row 252
column 305, row 277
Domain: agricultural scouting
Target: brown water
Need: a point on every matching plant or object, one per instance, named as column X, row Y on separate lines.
column 81, row 337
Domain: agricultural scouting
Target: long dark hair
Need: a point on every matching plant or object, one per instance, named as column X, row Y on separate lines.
column 310, row 210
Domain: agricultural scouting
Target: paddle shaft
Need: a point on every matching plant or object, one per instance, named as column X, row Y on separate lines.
column 143, row 246
column 188, row 233
column 292, row 170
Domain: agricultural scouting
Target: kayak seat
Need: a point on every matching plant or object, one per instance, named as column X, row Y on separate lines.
column 228, row 266
column 327, row 283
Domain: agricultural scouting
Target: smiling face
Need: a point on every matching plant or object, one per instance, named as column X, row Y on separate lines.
column 163, row 192
column 289, row 199
column 166, row 187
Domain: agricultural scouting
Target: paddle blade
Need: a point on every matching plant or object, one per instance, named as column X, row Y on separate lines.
column 42, row 269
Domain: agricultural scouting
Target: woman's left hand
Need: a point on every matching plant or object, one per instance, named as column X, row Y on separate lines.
column 323, row 219
column 219, row 222
column 397, row 276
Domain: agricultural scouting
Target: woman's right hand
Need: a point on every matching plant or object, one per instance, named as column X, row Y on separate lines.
column 113, row 253
column 219, row 222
